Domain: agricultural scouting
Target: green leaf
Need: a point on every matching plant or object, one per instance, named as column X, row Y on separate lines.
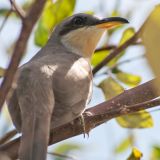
column 2, row 71
column 141, row 119
column 3, row 11
column 150, row 34
column 135, row 155
column 65, row 148
column 124, row 145
column 127, row 34
column 98, row 57
column 53, row 13
column 6, row 115
column 27, row 5
column 89, row 12
column 155, row 153
column 128, row 78
column 115, row 13
column 110, row 88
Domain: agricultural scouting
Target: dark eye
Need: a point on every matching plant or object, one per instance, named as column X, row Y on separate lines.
column 78, row 21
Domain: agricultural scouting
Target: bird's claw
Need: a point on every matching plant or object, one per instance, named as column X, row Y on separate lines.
column 82, row 120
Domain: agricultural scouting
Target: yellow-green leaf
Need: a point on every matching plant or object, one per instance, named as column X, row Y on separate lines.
column 2, row 71
column 6, row 115
column 98, row 57
column 150, row 35
column 124, row 145
column 110, row 88
column 127, row 34
column 141, row 119
column 115, row 13
column 65, row 148
column 128, row 78
column 53, row 13
column 155, row 153
column 135, row 155
column 89, row 12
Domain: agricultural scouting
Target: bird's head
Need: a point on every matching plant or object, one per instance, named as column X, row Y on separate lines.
column 80, row 33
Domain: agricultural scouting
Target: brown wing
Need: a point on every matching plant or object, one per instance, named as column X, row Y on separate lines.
column 71, row 86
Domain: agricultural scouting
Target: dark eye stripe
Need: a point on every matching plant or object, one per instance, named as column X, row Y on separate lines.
column 78, row 21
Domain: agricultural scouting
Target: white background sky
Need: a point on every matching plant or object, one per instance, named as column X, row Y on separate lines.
column 102, row 140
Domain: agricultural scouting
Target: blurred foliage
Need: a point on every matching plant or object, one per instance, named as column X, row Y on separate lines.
column 99, row 56
column 3, row 11
column 50, row 18
column 128, row 78
column 135, row 155
column 141, row 119
column 155, row 153
column 2, row 71
column 125, row 144
column 26, row 4
column 65, row 149
column 127, row 34
column 150, row 35
column 110, row 87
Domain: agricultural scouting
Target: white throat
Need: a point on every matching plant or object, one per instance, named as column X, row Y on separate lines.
column 83, row 41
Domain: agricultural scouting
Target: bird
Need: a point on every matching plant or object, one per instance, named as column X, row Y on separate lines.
column 54, row 86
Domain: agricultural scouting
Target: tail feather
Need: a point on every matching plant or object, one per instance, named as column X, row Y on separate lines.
column 35, row 139
column 27, row 139
column 36, row 102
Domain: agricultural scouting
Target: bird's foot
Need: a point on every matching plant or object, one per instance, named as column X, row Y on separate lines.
column 82, row 120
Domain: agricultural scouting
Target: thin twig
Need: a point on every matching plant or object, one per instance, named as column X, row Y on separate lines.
column 8, row 136
column 121, row 63
column 115, row 52
column 5, row 19
column 126, row 61
column 110, row 47
column 28, row 23
column 62, row 155
column 20, row 12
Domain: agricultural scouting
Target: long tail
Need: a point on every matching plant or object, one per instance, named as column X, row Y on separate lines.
column 35, row 135
column 36, row 101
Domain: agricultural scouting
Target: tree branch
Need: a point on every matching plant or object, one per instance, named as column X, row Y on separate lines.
column 17, row 9
column 110, row 47
column 115, row 52
column 8, row 136
column 28, row 23
column 130, row 101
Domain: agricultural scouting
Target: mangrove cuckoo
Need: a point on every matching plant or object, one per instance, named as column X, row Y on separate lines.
column 54, row 87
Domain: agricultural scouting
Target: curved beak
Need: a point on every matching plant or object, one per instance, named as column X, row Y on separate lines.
column 111, row 22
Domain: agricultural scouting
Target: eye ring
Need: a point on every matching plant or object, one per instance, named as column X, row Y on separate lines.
column 79, row 21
